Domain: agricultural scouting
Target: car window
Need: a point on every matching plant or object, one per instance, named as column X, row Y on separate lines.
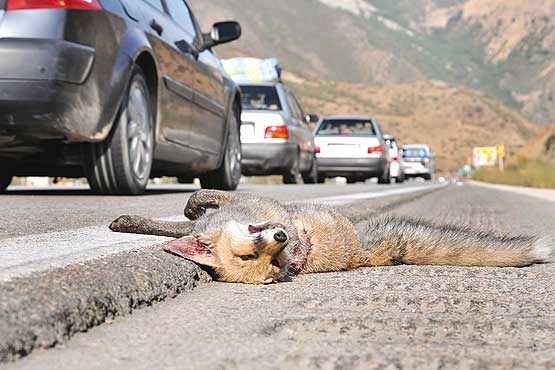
column 157, row 4
column 391, row 144
column 295, row 111
column 182, row 16
column 350, row 127
column 260, row 98
column 299, row 108
column 414, row 152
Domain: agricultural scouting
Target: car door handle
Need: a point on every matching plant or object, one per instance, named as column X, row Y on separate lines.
column 186, row 48
column 156, row 27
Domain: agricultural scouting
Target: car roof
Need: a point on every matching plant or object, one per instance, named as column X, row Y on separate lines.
column 347, row 118
column 260, row 84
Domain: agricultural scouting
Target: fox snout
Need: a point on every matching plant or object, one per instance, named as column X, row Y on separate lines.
column 281, row 236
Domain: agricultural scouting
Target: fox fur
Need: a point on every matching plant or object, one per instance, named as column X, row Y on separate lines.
column 250, row 239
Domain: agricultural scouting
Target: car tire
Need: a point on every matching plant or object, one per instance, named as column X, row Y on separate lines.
column 311, row 177
column 321, row 179
column 121, row 164
column 228, row 176
column 292, row 177
column 352, row 180
column 5, row 181
column 385, row 178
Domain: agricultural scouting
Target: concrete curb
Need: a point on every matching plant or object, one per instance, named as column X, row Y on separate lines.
column 47, row 308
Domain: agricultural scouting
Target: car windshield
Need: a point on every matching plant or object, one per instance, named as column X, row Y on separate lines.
column 348, row 127
column 260, row 98
column 415, row 152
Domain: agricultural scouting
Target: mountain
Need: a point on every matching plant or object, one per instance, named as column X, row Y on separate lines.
column 451, row 119
column 502, row 48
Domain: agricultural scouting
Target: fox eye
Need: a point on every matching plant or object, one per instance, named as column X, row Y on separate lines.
column 275, row 262
column 248, row 257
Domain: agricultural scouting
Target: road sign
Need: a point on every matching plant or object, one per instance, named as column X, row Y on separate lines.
column 500, row 151
column 484, row 156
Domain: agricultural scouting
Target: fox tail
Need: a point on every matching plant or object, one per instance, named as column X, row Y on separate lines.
column 392, row 241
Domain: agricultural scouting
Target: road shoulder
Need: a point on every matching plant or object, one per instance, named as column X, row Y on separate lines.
column 545, row 194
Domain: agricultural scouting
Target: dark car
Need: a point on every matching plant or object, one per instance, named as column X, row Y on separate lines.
column 118, row 91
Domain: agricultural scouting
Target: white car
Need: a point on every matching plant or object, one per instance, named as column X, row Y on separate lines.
column 396, row 170
column 418, row 161
column 351, row 147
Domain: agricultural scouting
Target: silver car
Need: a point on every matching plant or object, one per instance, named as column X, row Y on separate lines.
column 275, row 135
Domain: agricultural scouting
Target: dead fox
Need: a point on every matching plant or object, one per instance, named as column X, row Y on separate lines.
column 257, row 240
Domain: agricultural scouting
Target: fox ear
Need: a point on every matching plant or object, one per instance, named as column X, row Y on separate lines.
column 254, row 229
column 193, row 248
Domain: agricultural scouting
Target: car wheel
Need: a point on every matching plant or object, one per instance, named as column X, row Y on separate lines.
column 385, row 178
column 5, row 181
column 351, row 180
column 311, row 177
column 292, row 177
column 228, row 176
column 122, row 163
column 321, row 179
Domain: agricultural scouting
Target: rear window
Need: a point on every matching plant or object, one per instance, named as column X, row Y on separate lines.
column 415, row 152
column 346, row 128
column 260, row 98
column 391, row 143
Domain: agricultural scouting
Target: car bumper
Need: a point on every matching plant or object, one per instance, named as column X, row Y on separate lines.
column 395, row 170
column 267, row 159
column 351, row 166
column 42, row 86
column 416, row 170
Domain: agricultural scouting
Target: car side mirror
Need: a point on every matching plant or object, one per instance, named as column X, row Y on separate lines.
column 222, row 33
column 312, row 118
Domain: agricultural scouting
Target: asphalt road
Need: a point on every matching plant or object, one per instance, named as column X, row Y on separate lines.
column 49, row 229
column 402, row 317
column 27, row 211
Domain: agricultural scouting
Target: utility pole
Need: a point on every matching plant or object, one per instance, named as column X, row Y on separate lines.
column 501, row 157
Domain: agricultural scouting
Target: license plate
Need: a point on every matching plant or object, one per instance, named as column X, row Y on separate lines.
column 343, row 150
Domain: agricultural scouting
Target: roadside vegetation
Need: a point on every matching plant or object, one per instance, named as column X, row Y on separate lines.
column 534, row 173
column 534, row 166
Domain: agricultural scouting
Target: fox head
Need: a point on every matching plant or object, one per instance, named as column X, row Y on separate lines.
column 252, row 254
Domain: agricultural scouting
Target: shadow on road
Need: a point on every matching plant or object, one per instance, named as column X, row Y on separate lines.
column 85, row 191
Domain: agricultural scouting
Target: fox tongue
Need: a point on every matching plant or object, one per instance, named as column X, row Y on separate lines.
column 187, row 247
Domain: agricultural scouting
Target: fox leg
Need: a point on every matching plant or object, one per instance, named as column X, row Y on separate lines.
column 140, row 225
column 206, row 199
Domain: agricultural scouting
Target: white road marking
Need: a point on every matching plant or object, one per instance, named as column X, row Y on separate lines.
column 34, row 253
column 344, row 199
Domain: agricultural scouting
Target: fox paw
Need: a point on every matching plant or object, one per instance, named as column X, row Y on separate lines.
column 123, row 224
